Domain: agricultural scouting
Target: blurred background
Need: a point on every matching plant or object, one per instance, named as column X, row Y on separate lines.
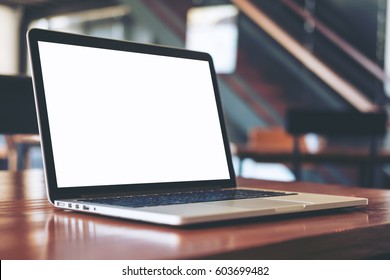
column 272, row 56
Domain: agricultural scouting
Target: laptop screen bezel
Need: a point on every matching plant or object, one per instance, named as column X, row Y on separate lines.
column 54, row 192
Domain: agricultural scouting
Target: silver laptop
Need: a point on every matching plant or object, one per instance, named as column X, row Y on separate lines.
column 137, row 131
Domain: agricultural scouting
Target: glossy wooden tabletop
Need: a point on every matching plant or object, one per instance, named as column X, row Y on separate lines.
column 30, row 228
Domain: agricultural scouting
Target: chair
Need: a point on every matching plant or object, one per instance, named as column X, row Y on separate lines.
column 372, row 125
column 18, row 118
column 272, row 138
column 262, row 156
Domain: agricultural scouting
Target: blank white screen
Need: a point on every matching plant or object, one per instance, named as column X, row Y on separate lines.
column 118, row 117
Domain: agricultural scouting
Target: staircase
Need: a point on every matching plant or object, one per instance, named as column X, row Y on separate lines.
column 267, row 79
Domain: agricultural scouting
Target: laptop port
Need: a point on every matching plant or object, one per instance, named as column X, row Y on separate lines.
column 69, row 205
column 85, row 207
column 76, row 206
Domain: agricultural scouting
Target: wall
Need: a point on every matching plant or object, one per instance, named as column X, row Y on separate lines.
column 9, row 28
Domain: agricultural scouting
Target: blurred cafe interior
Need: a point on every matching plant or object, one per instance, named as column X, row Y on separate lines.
column 304, row 84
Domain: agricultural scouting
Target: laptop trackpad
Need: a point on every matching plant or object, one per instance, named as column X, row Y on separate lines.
column 258, row 203
column 224, row 207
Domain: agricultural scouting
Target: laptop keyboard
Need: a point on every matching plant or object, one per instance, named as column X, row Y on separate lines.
column 149, row 200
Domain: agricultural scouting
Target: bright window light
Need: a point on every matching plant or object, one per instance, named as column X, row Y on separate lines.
column 214, row 30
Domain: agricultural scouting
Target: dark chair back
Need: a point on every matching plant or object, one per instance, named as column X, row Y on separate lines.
column 371, row 125
column 17, row 106
column 300, row 121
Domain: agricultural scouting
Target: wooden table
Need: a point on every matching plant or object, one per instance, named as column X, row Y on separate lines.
column 359, row 158
column 30, row 228
column 333, row 155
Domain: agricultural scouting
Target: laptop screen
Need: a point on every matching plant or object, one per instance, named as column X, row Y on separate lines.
column 119, row 117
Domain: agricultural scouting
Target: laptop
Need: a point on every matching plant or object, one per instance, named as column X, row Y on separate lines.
column 137, row 131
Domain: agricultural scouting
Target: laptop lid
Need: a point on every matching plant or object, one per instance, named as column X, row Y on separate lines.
column 120, row 117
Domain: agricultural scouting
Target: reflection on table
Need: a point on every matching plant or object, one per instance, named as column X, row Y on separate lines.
column 30, row 228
